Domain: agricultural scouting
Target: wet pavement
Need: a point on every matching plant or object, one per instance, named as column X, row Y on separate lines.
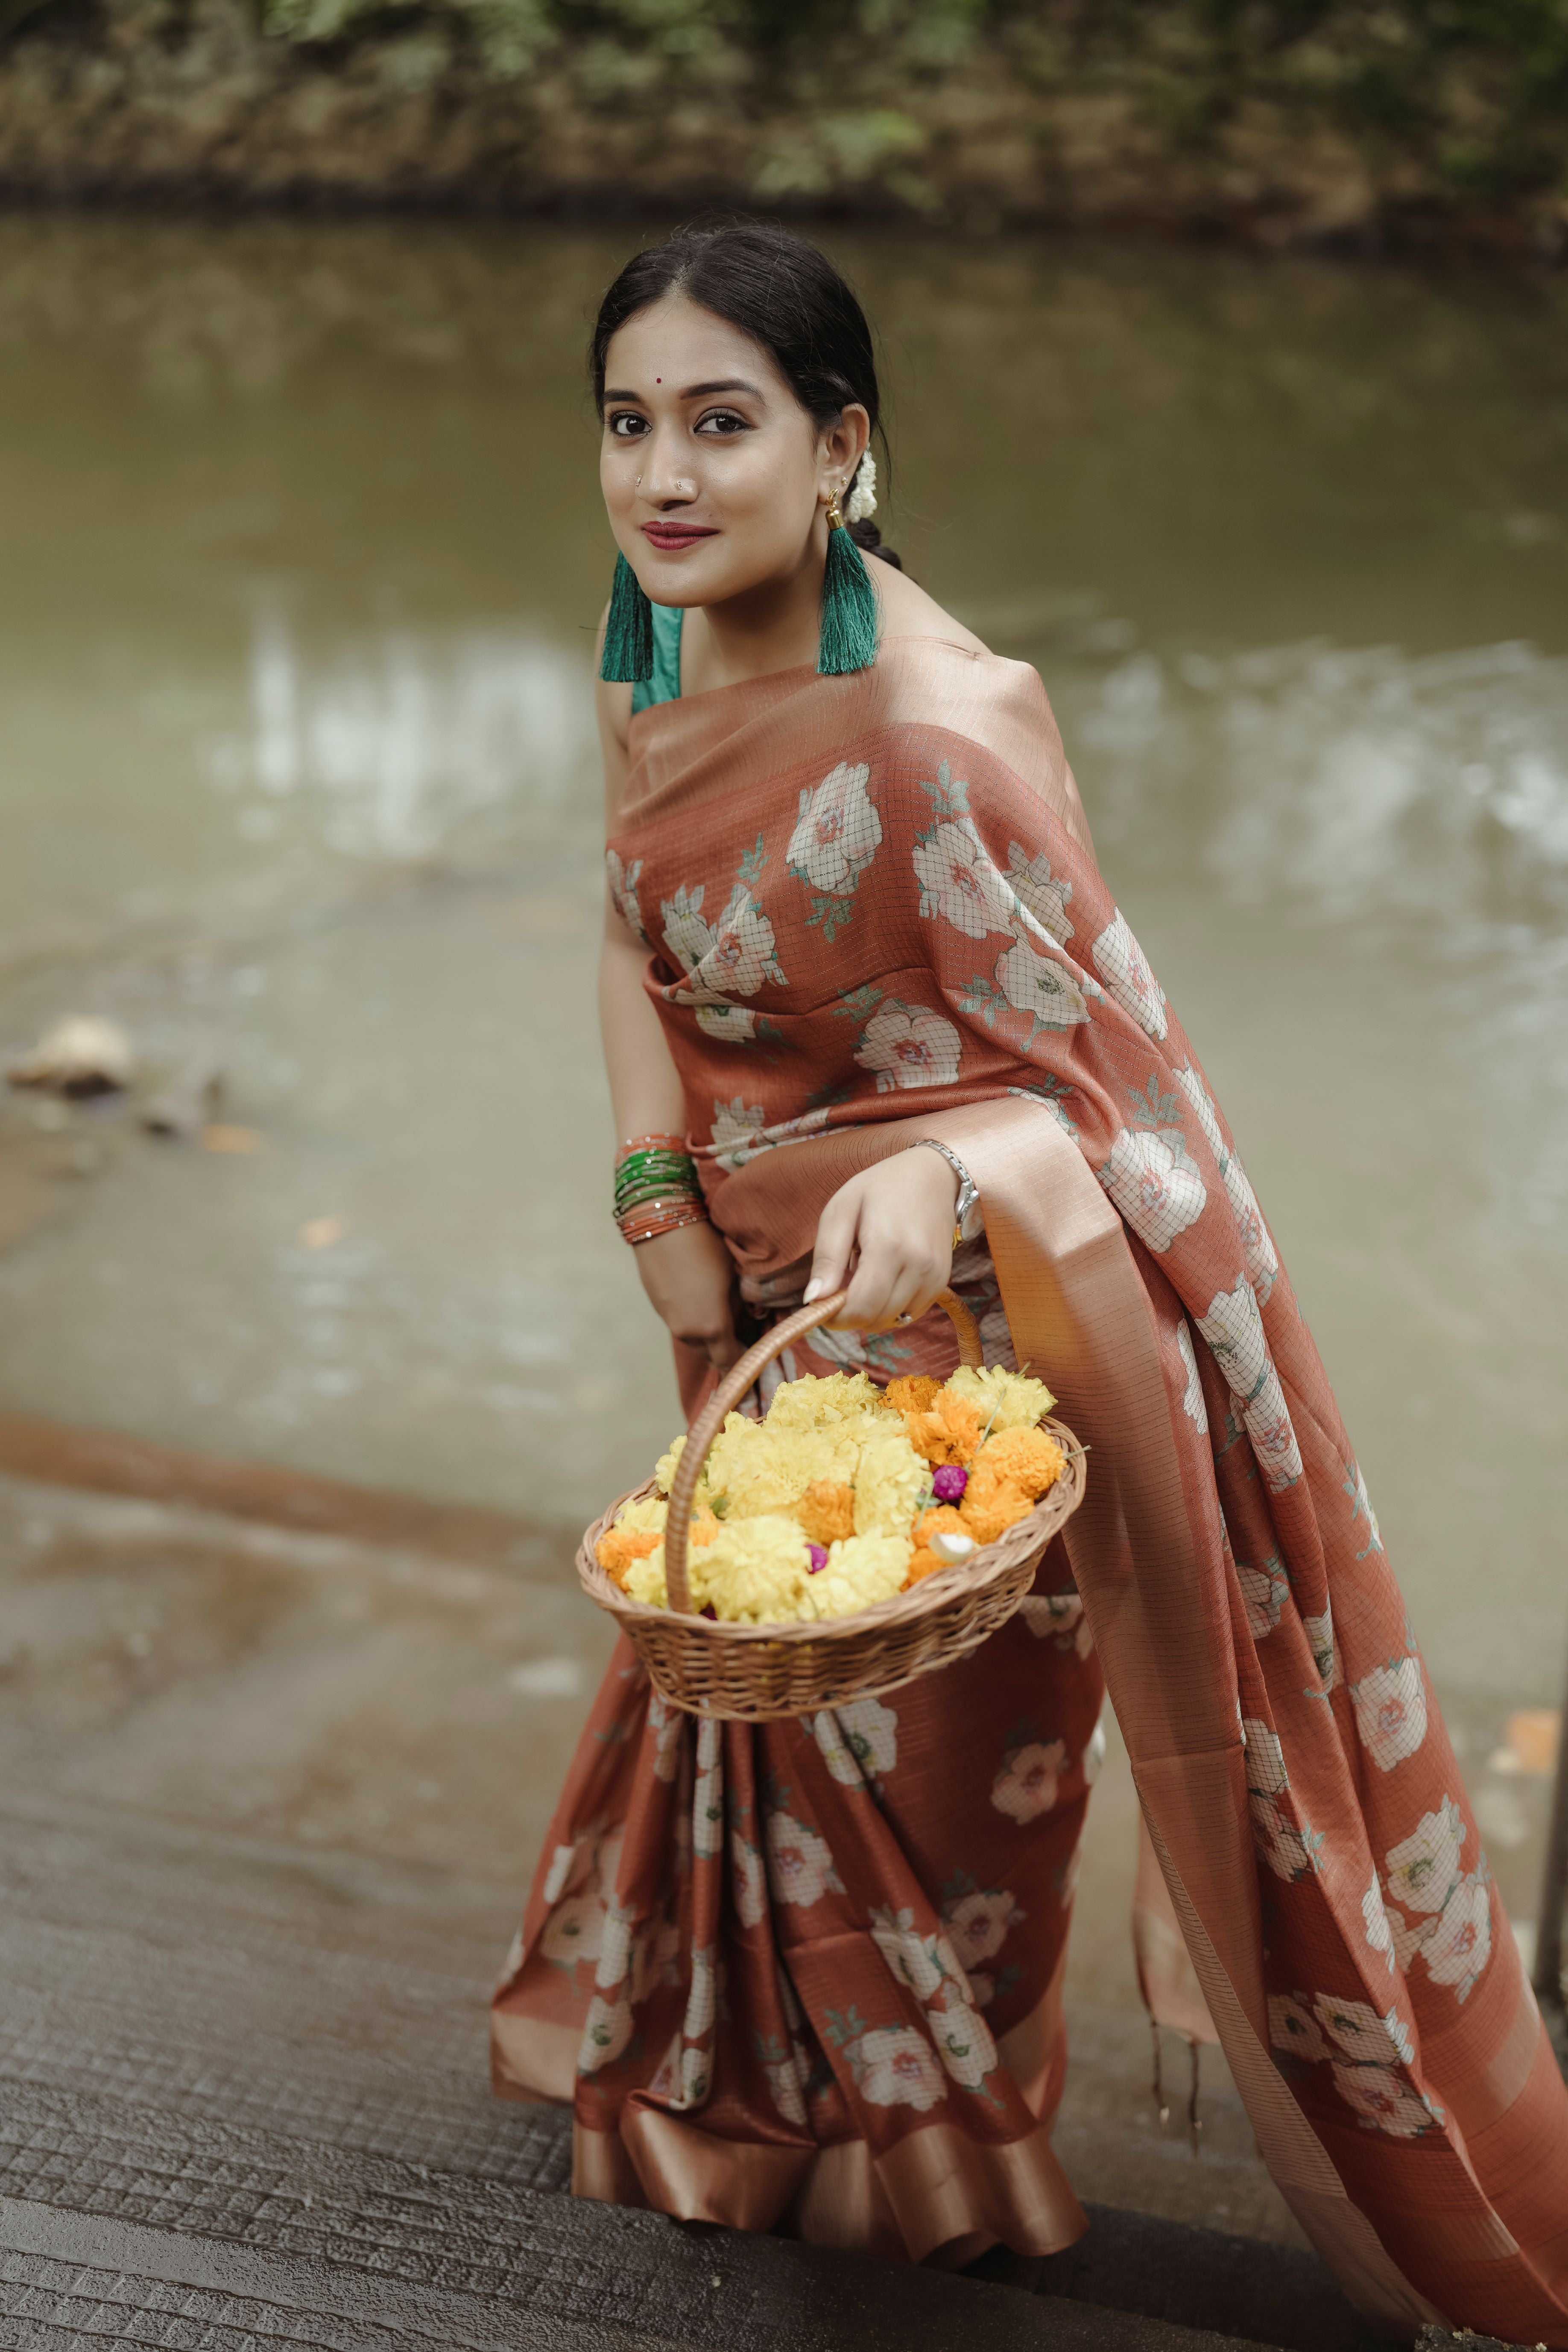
column 270, row 1800
column 330, row 1714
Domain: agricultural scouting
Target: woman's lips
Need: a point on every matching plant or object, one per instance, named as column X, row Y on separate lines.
column 669, row 538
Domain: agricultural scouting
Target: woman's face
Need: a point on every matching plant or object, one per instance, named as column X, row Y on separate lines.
column 715, row 478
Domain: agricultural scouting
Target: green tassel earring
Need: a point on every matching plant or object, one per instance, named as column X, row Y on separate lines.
column 848, row 639
column 627, row 657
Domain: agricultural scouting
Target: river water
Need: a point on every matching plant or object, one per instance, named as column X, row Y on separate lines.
column 300, row 563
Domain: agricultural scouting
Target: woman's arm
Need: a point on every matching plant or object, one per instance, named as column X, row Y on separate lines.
column 689, row 1275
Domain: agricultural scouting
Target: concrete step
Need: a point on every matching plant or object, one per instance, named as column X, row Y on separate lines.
column 329, row 1996
column 114, row 2219
column 218, row 2053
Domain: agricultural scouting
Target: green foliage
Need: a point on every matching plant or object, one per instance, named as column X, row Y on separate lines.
column 511, row 34
column 1475, row 92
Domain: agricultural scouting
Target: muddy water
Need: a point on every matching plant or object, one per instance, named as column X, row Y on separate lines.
column 299, row 562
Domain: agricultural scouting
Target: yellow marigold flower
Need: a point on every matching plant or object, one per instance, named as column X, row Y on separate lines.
column 1006, row 1400
column 889, row 1484
column 860, row 1571
column 753, row 1572
column 757, row 1468
column 665, row 1468
column 819, row 1402
column 644, row 1580
column 650, row 1512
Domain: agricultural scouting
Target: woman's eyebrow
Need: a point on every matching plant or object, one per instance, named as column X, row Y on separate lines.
column 610, row 395
column 730, row 383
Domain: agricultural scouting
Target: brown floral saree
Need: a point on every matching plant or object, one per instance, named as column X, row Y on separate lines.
column 809, row 1975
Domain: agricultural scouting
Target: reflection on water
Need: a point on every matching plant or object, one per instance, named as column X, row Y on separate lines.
column 407, row 748
column 301, row 569
column 1355, row 779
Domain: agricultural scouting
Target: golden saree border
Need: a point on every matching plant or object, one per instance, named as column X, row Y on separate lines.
column 936, row 2195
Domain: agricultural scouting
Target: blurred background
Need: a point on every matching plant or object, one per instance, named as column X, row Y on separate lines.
column 300, row 555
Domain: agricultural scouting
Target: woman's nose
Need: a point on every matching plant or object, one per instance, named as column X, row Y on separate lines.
column 661, row 481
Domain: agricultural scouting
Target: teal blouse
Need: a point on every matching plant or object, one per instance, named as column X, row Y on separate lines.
column 664, row 685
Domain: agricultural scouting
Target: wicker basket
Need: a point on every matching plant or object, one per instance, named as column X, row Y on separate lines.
column 756, row 1674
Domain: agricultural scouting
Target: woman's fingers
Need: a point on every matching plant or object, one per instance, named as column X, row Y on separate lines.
column 887, row 1233
column 835, row 1236
column 889, row 1281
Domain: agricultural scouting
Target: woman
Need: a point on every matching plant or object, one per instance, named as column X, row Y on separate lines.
column 808, row 1975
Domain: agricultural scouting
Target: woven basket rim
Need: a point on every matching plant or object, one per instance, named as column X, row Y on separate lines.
column 958, row 1579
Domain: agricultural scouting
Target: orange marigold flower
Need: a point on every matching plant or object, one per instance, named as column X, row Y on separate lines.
column 826, row 1511
column 618, row 1546
column 912, row 1393
column 950, row 1432
column 942, row 1519
column 924, row 1562
column 1030, row 1457
column 992, row 1502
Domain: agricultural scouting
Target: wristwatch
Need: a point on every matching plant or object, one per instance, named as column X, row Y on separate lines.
column 967, row 1221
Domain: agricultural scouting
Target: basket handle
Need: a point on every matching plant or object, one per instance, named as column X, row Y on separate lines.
column 728, row 1395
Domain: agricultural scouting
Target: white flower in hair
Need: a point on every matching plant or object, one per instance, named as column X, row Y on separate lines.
column 861, row 503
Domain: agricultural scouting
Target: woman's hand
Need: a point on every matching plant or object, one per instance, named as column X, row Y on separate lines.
column 890, row 1231
column 689, row 1275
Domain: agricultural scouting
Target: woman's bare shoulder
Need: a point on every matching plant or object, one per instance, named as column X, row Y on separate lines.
column 908, row 612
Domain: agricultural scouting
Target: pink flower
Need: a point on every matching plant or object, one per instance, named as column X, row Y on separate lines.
column 1361, row 2032
column 1391, row 1713
column 800, row 1864
column 838, row 832
column 897, row 2067
column 574, row 1930
column 1460, row 1945
column 1293, row 2028
column 963, row 2043
column 1382, row 2101
column 979, row 1924
column 607, row 2029
column 909, row 1045
column 1155, row 1184
column 1123, row 967
column 1026, row 1784
column 1428, row 1861
column 959, row 882
column 750, row 1883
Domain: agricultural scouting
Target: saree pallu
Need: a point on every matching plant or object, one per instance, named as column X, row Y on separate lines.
column 874, row 914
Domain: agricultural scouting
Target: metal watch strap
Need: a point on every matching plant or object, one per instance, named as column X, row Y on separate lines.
column 965, row 1223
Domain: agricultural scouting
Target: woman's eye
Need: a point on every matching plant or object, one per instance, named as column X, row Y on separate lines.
column 626, row 425
column 723, row 420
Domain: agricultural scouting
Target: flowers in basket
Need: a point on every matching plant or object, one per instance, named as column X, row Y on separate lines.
column 844, row 1493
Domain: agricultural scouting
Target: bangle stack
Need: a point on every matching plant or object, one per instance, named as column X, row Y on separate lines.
column 656, row 1189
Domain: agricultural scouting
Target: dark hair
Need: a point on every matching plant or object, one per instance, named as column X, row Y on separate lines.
column 782, row 292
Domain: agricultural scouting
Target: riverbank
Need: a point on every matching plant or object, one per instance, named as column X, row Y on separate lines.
column 1336, row 126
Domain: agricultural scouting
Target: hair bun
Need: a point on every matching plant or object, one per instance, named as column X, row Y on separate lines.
column 868, row 540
